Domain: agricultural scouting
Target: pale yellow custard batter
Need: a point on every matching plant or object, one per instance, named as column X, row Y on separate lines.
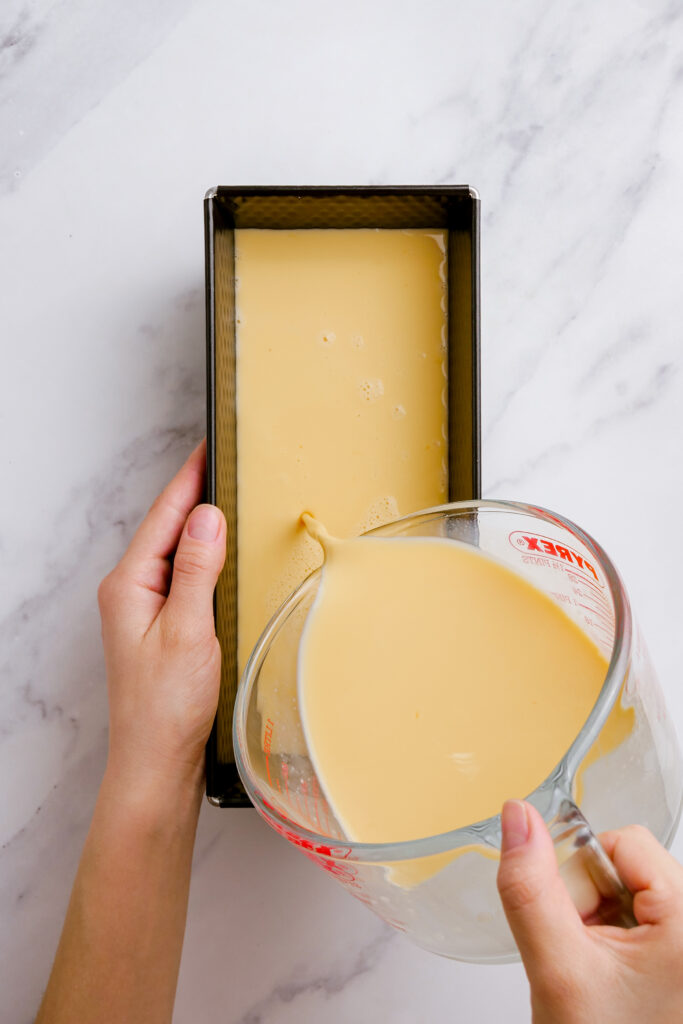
column 435, row 683
column 341, row 399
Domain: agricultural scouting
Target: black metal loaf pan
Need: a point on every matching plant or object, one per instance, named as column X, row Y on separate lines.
column 455, row 207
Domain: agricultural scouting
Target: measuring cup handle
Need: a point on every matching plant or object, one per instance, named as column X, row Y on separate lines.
column 587, row 869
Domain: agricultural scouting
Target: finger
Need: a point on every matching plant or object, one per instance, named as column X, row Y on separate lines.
column 146, row 559
column 538, row 907
column 196, row 567
column 648, row 870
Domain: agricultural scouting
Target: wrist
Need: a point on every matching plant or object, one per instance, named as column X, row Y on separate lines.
column 152, row 797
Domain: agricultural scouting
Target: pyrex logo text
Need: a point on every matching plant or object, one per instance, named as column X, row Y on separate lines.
column 545, row 547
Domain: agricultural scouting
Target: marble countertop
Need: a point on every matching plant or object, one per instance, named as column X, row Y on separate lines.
column 115, row 119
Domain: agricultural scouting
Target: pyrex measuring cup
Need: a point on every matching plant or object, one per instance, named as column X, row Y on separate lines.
column 623, row 767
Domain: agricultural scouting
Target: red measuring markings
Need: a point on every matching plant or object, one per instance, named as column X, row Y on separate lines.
column 544, row 547
column 595, row 602
column 330, row 858
column 334, row 860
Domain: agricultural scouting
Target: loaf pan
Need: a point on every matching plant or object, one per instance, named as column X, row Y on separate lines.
column 455, row 207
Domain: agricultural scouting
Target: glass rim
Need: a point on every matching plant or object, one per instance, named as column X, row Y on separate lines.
column 480, row 832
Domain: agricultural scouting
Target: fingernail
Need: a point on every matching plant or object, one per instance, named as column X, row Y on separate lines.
column 204, row 523
column 515, row 824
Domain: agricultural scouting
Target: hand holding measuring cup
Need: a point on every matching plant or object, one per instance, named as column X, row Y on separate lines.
column 599, row 973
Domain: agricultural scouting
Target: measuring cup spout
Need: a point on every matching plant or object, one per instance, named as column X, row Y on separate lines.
column 589, row 874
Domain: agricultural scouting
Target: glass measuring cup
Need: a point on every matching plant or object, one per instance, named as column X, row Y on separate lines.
column 623, row 767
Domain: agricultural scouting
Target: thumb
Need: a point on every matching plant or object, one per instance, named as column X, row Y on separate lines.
column 537, row 904
column 196, row 566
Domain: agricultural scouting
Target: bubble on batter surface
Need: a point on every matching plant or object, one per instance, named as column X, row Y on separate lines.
column 371, row 389
column 383, row 510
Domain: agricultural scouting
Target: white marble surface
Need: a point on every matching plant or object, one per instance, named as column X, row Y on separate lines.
column 114, row 119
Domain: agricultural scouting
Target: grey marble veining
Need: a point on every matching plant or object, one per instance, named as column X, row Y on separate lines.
column 115, row 119
column 58, row 59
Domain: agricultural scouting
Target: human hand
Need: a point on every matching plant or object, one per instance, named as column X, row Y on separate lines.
column 594, row 974
column 123, row 934
column 161, row 651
